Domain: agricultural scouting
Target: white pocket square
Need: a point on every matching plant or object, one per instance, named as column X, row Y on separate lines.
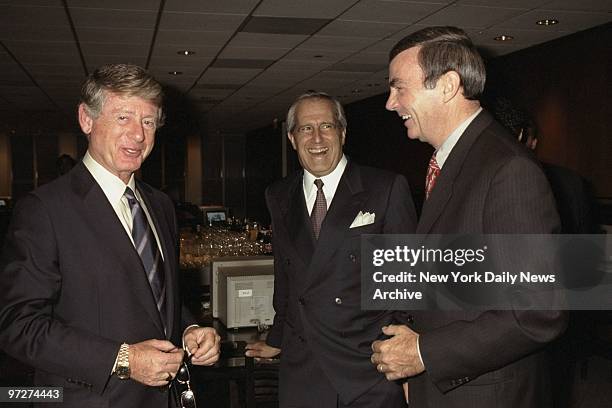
column 363, row 219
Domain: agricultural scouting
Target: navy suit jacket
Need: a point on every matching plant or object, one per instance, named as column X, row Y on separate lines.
column 489, row 184
column 73, row 288
column 324, row 335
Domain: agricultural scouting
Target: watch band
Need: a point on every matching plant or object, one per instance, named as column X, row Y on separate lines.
column 123, row 362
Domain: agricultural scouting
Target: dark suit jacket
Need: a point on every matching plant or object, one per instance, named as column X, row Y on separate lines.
column 488, row 185
column 72, row 289
column 324, row 335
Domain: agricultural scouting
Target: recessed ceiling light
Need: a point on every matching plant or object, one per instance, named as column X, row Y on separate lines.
column 547, row 22
column 504, row 38
column 318, row 56
column 175, row 73
column 185, row 52
column 356, row 90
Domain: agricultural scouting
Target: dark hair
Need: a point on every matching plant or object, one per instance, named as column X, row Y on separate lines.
column 122, row 79
column 445, row 49
column 338, row 114
column 516, row 120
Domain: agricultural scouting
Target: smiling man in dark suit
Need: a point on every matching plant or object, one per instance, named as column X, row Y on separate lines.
column 482, row 182
column 88, row 280
column 318, row 217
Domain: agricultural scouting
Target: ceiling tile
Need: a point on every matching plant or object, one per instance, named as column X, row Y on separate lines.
column 584, row 5
column 187, row 39
column 353, row 67
column 31, row 16
column 36, row 33
column 568, row 20
column 170, row 50
column 181, row 60
column 366, row 29
column 524, row 4
column 116, row 49
column 211, row 6
column 253, row 53
column 242, row 63
column 267, row 40
column 228, row 75
column 283, row 25
column 390, row 12
column 300, row 8
column 115, row 35
column 147, row 5
column 470, row 16
column 200, row 21
column 106, row 18
column 186, row 71
column 321, row 42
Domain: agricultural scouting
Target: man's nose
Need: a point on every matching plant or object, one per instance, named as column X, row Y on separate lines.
column 137, row 131
column 391, row 102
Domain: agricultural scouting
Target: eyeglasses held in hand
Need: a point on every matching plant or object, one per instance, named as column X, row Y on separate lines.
column 187, row 397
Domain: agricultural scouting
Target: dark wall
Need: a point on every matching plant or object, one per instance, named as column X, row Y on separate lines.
column 565, row 85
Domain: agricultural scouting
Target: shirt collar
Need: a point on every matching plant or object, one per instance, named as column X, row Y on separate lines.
column 453, row 138
column 330, row 181
column 112, row 186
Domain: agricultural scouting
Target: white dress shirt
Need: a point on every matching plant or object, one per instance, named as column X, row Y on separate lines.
column 330, row 185
column 452, row 139
column 114, row 188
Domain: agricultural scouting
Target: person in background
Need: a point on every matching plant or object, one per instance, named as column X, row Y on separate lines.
column 478, row 182
column 89, row 292
column 318, row 217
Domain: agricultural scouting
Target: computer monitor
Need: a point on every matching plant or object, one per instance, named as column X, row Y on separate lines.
column 222, row 268
column 214, row 214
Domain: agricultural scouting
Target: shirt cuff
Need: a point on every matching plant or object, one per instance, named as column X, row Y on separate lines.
column 183, row 337
column 419, row 351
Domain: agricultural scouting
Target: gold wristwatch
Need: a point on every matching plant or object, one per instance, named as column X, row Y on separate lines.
column 123, row 362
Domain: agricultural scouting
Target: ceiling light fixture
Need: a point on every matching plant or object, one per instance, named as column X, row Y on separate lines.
column 175, row 73
column 318, row 56
column 185, row 52
column 504, row 38
column 356, row 91
column 547, row 22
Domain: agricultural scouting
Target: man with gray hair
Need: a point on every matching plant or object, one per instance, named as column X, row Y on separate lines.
column 318, row 217
column 89, row 291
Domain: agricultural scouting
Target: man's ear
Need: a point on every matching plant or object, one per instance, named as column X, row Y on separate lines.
column 85, row 120
column 451, row 84
column 292, row 140
column 343, row 137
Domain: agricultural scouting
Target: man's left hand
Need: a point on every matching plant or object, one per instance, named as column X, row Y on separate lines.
column 398, row 356
column 202, row 344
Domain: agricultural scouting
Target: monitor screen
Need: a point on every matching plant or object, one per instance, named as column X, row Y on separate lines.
column 215, row 216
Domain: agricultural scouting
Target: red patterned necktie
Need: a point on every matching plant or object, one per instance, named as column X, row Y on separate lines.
column 433, row 171
column 319, row 210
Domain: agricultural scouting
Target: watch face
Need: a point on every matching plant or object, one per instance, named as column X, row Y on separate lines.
column 123, row 373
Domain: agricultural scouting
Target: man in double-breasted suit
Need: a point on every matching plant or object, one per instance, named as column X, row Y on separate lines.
column 318, row 216
column 89, row 292
column 482, row 182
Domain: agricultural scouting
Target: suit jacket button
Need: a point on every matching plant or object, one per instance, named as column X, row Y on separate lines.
column 302, row 339
column 338, row 301
column 301, row 301
column 352, row 257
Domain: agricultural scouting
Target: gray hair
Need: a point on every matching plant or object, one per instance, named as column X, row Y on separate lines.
column 445, row 49
column 122, row 79
column 338, row 109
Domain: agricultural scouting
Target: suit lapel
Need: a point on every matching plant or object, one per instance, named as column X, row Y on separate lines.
column 347, row 202
column 168, row 247
column 113, row 240
column 434, row 206
column 299, row 228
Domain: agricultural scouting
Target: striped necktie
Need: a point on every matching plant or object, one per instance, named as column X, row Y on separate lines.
column 319, row 210
column 146, row 245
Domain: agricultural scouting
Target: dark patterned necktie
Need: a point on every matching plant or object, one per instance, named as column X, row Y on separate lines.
column 433, row 171
column 146, row 245
column 319, row 210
